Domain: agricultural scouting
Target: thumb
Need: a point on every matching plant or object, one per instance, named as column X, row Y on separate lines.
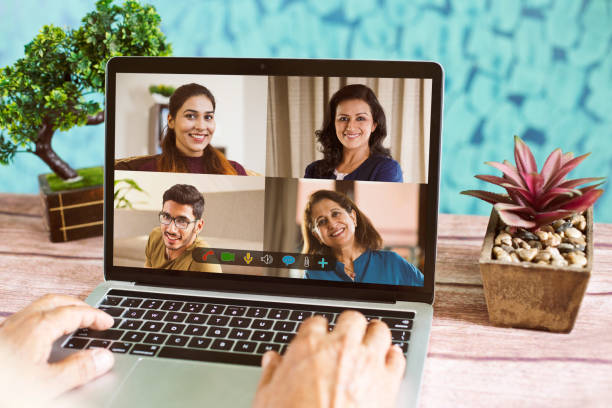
column 81, row 368
column 269, row 363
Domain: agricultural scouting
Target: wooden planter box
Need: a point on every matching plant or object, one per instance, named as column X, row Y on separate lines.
column 72, row 214
column 527, row 295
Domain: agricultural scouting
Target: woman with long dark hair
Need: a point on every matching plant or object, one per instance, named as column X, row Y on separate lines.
column 354, row 127
column 332, row 225
column 186, row 144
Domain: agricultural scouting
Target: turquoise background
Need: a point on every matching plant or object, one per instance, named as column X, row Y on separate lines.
column 541, row 69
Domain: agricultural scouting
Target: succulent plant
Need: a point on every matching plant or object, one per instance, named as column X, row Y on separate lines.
column 535, row 199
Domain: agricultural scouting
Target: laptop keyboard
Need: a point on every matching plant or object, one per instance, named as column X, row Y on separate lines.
column 211, row 329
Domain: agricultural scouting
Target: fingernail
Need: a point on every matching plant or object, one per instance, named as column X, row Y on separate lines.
column 398, row 348
column 103, row 360
column 265, row 360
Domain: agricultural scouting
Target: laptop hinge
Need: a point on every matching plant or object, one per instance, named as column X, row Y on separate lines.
column 121, row 283
column 322, row 295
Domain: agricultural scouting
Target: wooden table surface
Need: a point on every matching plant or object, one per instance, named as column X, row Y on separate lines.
column 470, row 362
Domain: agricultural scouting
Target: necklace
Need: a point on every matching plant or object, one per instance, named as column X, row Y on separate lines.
column 349, row 271
column 346, row 169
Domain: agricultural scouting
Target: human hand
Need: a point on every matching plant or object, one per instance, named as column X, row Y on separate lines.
column 28, row 336
column 353, row 366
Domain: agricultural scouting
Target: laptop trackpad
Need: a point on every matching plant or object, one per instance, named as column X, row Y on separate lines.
column 188, row 384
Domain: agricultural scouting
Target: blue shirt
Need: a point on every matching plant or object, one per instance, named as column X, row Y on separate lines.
column 375, row 168
column 384, row 267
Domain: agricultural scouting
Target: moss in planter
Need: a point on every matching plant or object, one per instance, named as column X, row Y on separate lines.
column 92, row 176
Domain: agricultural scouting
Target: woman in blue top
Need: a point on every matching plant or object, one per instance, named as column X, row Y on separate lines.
column 354, row 127
column 334, row 226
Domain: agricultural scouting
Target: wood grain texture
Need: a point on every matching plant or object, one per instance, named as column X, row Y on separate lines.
column 470, row 363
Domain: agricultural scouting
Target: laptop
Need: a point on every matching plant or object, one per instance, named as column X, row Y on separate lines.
column 199, row 296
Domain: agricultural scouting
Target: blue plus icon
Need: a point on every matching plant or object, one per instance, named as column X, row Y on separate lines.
column 322, row 262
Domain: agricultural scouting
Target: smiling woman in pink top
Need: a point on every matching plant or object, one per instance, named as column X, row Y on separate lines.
column 186, row 144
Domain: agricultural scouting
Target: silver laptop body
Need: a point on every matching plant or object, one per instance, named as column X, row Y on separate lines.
column 138, row 380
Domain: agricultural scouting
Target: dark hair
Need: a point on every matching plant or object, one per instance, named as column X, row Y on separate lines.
column 171, row 158
column 326, row 136
column 187, row 195
column 365, row 233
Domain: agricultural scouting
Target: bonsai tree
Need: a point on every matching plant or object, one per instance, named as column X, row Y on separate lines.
column 53, row 87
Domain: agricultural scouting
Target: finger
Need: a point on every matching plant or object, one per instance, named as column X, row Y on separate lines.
column 377, row 336
column 315, row 325
column 51, row 301
column 351, row 326
column 269, row 363
column 66, row 319
column 80, row 368
column 396, row 362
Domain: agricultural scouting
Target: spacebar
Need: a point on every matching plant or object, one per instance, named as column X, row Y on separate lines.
column 210, row 356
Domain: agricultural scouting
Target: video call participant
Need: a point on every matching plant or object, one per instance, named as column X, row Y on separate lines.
column 171, row 245
column 186, row 144
column 354, row 127
column 333, row 225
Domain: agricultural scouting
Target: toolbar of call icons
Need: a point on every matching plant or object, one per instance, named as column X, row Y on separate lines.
column 264, row 259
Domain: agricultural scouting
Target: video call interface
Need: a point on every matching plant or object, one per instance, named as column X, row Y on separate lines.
column 318, row 178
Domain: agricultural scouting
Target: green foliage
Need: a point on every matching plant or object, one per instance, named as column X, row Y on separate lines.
column 92, row 176
column 122, row 188
column 53, row 84
column 165, row 90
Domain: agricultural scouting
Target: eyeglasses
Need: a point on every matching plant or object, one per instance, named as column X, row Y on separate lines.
column 180, row 222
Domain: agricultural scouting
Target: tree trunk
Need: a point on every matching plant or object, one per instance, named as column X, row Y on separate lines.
column 96, row 119
column 48, row 155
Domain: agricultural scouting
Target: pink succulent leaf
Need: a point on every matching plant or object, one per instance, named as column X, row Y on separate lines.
column 578, row 182
column 487, row 196
column 534, row 182
column 517, row 199
column 565, row 157
column 557, row 202
column 492, row 179
column 511, row 218
column 507, row 163
column 583, row 202
column 558, row 192
column 550, row 216
column 589, row 188
column 525, row 194
column 509, row 171
column 551, row 165
column 525, row 162
column 519, row 209
column 564, row 170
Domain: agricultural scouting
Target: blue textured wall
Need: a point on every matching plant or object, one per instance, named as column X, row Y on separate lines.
column 541, row 69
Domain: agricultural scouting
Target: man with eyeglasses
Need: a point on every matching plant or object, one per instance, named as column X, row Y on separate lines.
column 171, row 245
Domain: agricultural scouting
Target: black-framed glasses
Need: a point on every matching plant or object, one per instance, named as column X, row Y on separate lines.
column 180, row 222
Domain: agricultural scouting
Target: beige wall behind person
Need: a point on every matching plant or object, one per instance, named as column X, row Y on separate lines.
column 240, row 115
column 295, row 110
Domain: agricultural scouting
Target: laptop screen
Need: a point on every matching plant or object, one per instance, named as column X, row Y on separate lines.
column 314, row 179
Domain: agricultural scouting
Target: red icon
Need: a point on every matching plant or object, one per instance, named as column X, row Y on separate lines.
column 206, row 255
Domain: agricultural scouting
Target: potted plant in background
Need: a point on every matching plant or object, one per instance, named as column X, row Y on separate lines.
column 55, row 86
column 537, row 254
column 161, row 93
